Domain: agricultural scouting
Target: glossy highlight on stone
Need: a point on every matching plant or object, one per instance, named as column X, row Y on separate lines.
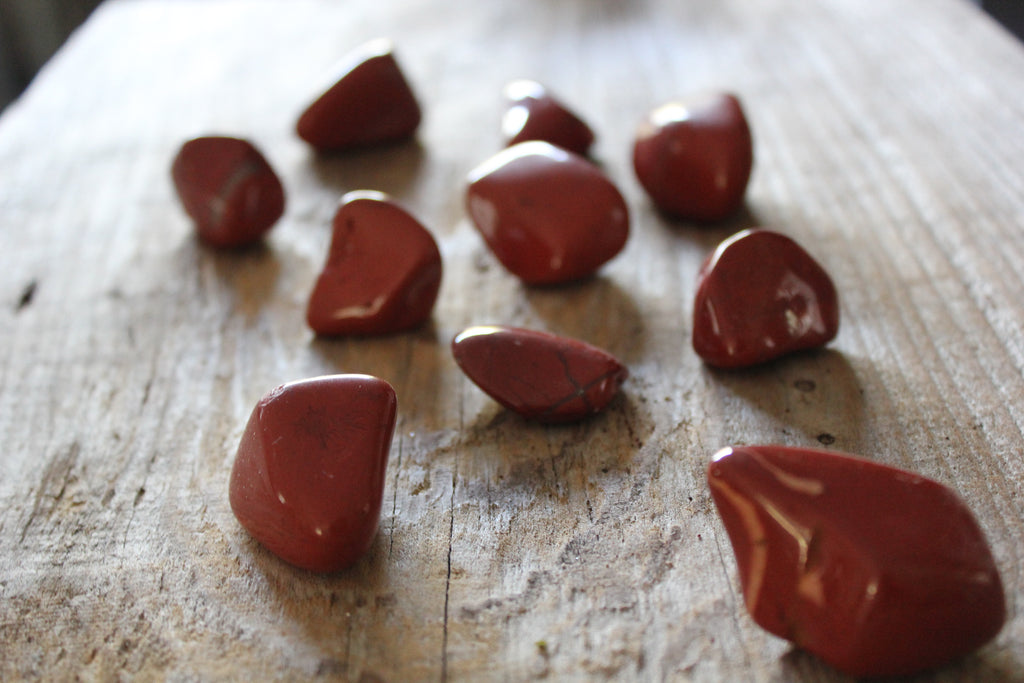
column 541, row 376
column 382, row 274
column 877, row 571
column 533, row 113
column 228, row 189
column 761, row 296
column 694, row 156
column 370, row 102
column 308, row 478
column 549, row 215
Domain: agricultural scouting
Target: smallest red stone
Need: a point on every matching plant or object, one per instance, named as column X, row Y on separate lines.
column 535, row 114
column 228, row 189
column 539, row 375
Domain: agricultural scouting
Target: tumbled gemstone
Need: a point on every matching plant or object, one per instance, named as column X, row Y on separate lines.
column 308, row 478
column 875, row 570
column 370, row 102
column 760, row 296
column 539, row 375
column 694, row 156
column 228, row 189
column 549, row 215
column 533, row 113
column 382, row 274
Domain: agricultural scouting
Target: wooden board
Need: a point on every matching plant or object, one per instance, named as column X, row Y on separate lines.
column 888, row 142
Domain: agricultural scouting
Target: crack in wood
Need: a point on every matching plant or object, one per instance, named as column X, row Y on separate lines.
column 27, row 294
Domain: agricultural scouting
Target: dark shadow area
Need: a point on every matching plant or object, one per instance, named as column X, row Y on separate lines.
column 597, row 311
column 1010, row 13
column 710, row 235
column 250, row 272
column 816, row 392
column 390, row 168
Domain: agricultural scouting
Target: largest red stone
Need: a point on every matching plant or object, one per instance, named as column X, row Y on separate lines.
column 308, row 478
column 549, row 215
column 876, row 570
column 369, row 102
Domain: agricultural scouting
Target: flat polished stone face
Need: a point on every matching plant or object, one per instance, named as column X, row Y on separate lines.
column 761, row 296
column 875, row 570
column 382, row 274
column 308, row 477
column 533, row 113
column 228, row 189
column 694, row 156
column 549, row 215
column 369, row 103
column 541, row 376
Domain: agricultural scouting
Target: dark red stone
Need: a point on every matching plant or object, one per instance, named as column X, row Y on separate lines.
column 549, row 215
column 875, row 570
column 308, row 479
column 539, row 375
column 535, row 114
column 370, row 102
column 761, row 296
column 228, row 189
column 694, row 157
column 382, row 274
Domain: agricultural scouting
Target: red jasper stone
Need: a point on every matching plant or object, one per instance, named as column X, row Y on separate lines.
column 549, row 215
column 761, row 296
column 382, row 274
column 539, row 375
column 694, row 157
column 875, row 570
column 534, row 114
column 370, row 102
column 228, row 189
column 308, row 479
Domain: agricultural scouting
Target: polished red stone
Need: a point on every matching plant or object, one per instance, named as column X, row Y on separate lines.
column 370, row 102
column 694, row 157
column 228, row 189
column 541, row 376
column 549, row 215
column 308, row 479
column 382, row 274
column 535, row 114
column 761, row 296
column 875, row 570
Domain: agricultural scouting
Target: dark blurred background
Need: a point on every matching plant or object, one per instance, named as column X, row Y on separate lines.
column 32, row 30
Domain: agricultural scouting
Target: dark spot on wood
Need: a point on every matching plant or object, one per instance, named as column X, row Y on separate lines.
column 805, row 385
column 826, row 439
column 107, row 496
column 26, row 297
column 138, row 495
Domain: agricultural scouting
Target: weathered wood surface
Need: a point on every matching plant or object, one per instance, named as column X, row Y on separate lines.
column 889, row 139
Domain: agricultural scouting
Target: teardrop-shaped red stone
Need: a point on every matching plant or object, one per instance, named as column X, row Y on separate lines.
column 370, row 102
column 308, row 478
column 549, row 215
column 875, row 570
column 382, row 274
column 228, row 189
column 541, row 376
column 533, row 113
column 760, row 296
